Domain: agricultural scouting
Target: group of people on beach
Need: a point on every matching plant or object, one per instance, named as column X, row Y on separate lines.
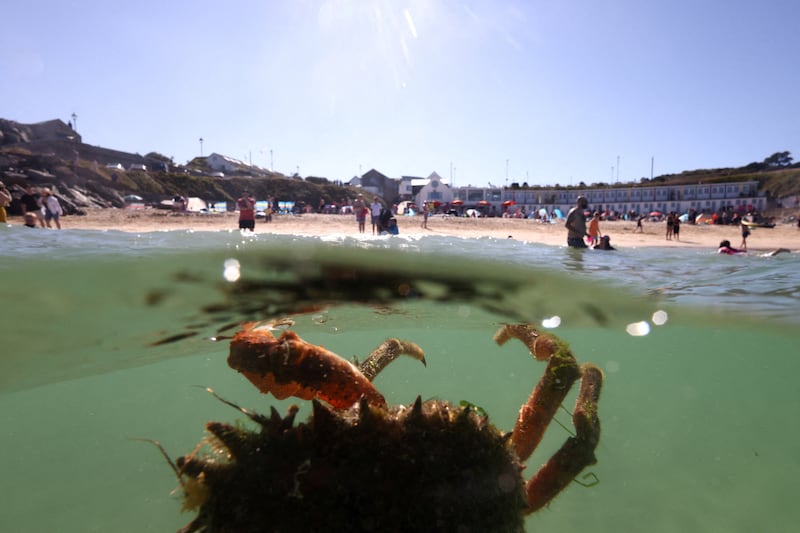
column 39, row 207
column 246, row 205
column 578, row 234
column 577, row 230
column 382, row 218
column 673, row 226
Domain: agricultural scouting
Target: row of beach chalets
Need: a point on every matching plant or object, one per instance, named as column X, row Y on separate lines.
column 741, row 197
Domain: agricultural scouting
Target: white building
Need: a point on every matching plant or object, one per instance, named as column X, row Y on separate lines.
column 435, row 190
column 223, row 163
column 700, row 197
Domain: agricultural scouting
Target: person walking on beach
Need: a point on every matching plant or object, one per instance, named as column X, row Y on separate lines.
column 745, row 235
column 594, row 229
column 676, row 227
column 576, row 224
column 639, row 227
column 52, row 209
column 426, row 210
column 246, row 205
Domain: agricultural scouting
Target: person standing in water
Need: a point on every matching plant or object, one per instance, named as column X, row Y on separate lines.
column 576, row 224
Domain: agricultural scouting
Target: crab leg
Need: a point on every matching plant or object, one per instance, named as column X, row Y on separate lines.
column 388, row 351
column 577, row 452
column 290, row 366
column 537, row 413
column 562, row 371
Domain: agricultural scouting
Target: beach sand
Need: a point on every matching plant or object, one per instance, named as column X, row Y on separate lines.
column 622, row 234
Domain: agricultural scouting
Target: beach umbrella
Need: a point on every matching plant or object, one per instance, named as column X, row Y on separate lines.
column 684, row 217
column 655, row 213
column 483, row 202
column 509, row 202
column 457, row 202
column 542, row 212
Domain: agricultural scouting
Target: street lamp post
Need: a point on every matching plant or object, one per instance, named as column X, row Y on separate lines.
column 75, row 122
column 201, row 147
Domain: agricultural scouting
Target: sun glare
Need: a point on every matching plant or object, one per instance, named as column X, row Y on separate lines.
column 410, row 22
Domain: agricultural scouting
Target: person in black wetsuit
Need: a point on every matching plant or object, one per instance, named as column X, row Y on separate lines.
column 383, row 220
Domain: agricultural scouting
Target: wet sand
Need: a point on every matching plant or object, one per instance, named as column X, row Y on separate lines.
column 622, row 234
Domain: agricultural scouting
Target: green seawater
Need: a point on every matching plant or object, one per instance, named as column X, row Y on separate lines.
column 110, row 337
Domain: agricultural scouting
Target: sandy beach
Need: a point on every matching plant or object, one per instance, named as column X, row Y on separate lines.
column 623, row 234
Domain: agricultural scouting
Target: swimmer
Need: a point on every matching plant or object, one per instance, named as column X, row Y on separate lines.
column 604, row 243
column 726, row 248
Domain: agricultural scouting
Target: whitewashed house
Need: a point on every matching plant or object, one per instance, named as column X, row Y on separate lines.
column 223, row 163
column 435, row 190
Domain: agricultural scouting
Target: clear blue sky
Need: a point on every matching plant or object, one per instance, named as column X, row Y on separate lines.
column 548, row 92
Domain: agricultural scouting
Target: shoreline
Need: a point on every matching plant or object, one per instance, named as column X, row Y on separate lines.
column 622, row 233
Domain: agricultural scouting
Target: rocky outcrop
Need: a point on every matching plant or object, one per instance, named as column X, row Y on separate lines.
column 52, row 130
column 50, row 154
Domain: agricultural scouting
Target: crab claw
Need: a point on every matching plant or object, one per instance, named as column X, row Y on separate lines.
column 289, row 366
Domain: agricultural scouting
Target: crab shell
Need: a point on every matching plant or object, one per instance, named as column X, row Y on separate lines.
column 425, row 467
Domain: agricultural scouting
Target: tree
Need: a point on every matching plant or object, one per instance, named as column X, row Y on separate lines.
column 779, row 159
column 158, row 157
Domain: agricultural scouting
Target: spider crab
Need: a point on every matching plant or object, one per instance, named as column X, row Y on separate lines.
column 360, row 465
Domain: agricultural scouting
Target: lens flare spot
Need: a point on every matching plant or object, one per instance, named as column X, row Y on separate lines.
column 231, row 271
column 660, row 318
column 638, row 329
column 552, row 322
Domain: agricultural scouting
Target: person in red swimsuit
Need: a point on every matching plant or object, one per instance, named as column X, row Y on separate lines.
column 247, row 211
column 725, row 248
